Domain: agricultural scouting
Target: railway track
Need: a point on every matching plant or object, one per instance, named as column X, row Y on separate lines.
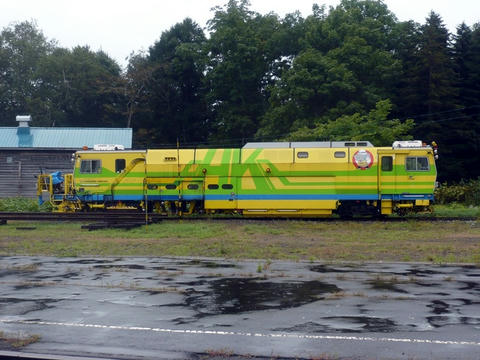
column 137, row 217
column 81, row 217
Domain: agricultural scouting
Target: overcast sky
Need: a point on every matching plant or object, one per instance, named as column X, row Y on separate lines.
column 119, row 27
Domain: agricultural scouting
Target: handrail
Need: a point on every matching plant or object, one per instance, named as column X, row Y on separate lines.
column 124, row 173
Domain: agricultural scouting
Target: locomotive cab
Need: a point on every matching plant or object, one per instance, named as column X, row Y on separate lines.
column 406, row 177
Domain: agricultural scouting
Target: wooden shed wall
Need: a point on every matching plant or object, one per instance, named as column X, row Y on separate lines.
column 18, row 169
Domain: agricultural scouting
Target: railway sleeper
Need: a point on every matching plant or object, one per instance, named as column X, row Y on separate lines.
column 112, row 225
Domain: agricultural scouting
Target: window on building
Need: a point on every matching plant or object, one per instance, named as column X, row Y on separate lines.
column 91, row 167
column 120, row 165
column 387, row 163
column 417, row 163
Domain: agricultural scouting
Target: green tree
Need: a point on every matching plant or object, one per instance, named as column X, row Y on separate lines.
column 462, row 58
column 172, row 77
column 405, row 39
column 467, row 65
column 314, row 87
column 463, row 126
column 243, row 53
column 22, row 48
column 436, row 91
column 472, row 97
column 78, row 88
column 435, row 71
column 136, row 81
column 375, row 127
column 346, row 66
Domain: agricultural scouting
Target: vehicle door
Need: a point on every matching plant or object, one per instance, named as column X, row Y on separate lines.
column 386, row 175
column 221, row 193
column 191, row 190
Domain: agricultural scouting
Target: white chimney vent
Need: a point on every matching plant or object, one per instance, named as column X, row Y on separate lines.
column 23, row 120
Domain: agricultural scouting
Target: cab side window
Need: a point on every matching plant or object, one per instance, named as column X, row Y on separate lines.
column 417, row 163
column 91, row 167
column 387, row 163
column 120, row 165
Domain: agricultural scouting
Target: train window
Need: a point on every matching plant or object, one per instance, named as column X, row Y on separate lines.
column 171, row 186
column 227, row 186
column 415, row 163
column 302, row 155
column 91, row 167
column 152, row 187
column 422, row 164
column 362, row 144
column 349, row 144
column 339, row 154
column 120, row 165
column 387, row 163
column 192, row 187
column 212, row 187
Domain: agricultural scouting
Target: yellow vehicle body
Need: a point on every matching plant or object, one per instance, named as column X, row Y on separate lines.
column 285, row 182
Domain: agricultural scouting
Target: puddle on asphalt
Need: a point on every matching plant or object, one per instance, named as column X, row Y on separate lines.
column 426, row 284
column 470, row 285
column 420, row 272
column 163, row 268
column 209, row 264
column 439, row 307
column 86, row 261
column 5, row 273
column 237, row 295
column 9, row 306
column 328, row 269
column 121, row 266
column 389, row 284
column 348, row 324
column 69, row 275
column 468, row 302
column 441, row 320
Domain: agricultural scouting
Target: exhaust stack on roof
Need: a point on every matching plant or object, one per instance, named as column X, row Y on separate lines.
column 23, row 131
column 23, row 120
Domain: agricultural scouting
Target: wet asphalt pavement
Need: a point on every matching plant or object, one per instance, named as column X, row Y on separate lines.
column 178, row 308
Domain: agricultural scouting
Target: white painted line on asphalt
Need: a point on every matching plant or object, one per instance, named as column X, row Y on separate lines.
column 245, row 334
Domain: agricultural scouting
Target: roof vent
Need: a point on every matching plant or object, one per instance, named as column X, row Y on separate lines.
column 23, row 120
column 407, row 144
column 108, row 147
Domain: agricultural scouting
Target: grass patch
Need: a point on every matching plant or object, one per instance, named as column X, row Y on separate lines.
column 18, row 340
column 437, row 242
column 19, row 204
column 456, row 210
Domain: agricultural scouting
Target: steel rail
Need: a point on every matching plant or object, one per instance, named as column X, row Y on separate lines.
column 122, row 216
column 90, row 216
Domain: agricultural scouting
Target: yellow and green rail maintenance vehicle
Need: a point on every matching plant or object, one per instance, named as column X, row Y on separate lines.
column 309, row 179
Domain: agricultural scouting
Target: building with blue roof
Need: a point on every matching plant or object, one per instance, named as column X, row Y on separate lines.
column 26, row 151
